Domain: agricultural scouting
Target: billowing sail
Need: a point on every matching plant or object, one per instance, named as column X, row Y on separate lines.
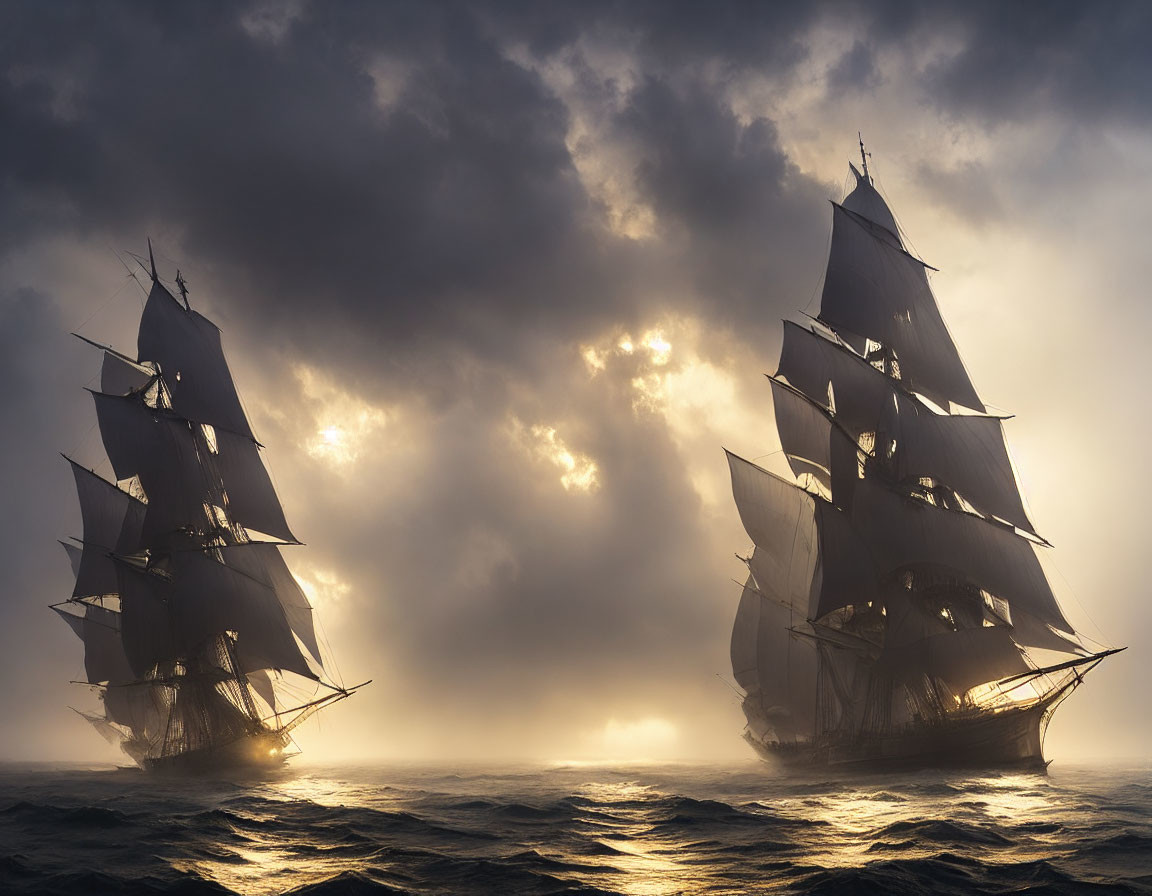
column 905, row 533
column 113, row 523
column 104, row 659
column 252, row 500
column 965, row 452
column 204, row 597
column 264, row 563
column 807, row 556
column 961, row 659
column 780, row 519
column 876, row 290
column 161, row 450
column 777, row 672
column 186, row 346
column 121, row 377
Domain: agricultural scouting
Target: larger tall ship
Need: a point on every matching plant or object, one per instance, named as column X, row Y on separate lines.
column 896, row 611
column 197, row 637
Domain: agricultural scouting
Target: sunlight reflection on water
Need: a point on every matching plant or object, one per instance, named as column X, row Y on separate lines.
column 641, row 830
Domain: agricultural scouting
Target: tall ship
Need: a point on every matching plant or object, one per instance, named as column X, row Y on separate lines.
column 896, row 612
column 197, row 637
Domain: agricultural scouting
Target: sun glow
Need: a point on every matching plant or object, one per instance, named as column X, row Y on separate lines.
column 578, row 472
column 344, row 424
column 323, row 587
column 635, row 739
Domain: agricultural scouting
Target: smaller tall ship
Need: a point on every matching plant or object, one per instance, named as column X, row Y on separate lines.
column 197, row 637
column 896, row 612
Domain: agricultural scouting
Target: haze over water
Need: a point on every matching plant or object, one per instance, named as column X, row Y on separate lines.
column 644, row 829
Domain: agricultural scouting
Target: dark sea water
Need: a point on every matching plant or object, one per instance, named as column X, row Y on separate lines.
column 634, row 829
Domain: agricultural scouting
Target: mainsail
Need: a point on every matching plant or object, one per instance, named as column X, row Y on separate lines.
column 185, row 608
column 895, row 580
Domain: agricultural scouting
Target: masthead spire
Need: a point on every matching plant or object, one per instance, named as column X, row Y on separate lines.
column 152, row 261
column 864, row 156
column 183, row 285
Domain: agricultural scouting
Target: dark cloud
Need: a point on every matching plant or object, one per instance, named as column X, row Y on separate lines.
column 855, row 71
column 965, row 190
column 386, row 192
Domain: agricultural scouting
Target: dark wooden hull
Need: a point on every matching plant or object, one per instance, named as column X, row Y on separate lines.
column 253, row 754
column 1006, row 738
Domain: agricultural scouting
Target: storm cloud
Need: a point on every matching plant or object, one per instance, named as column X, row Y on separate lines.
column 497, row 282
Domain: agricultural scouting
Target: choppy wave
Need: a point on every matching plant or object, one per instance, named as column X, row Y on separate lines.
column 660, row 829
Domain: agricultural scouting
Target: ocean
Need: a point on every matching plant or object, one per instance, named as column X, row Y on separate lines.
column 644, row 829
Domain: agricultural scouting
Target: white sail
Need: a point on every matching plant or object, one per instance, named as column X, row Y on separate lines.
column 261, row 683
column 113, row 522
column 866, row 202
column 906, row 533
column 252, row 500
column 264, row 563
column 160, row 449
column 210, row 597
column 964, row 452
column 74, row 554
column 121, row 377
column 106, row 729
column 186, row 346
column 804, row 431
column 104, row 659
column 780, row 520
column 777, row 672
column 877, row 290
column 962, row 659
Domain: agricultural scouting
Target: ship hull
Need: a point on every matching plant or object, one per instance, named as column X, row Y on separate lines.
column 1011, row 738
column 253, row 754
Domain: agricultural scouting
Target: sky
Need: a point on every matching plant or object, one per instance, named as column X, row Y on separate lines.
column 499, row 281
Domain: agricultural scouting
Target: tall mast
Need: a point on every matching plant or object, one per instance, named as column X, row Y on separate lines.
column 152, row 259
column 864, row 156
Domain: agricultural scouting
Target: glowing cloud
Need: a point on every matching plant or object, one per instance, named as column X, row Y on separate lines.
column 344, row 425
column 579, row 472
column 646, row 738
column 323, row 587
